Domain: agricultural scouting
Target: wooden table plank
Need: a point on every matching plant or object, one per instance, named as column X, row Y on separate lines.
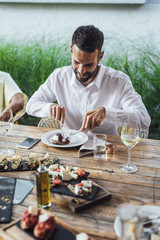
column 139, row 188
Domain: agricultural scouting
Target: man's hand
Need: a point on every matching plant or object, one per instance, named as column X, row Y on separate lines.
column 5, row 115
column 58, row 112
column 93, row 119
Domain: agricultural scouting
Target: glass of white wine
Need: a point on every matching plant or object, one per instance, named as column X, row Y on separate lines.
column 130, row 136
column 6, row 124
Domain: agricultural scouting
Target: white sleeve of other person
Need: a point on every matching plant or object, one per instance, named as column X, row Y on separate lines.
column 111, row 89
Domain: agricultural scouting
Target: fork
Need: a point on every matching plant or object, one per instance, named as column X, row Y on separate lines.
column 61, row 126
column 74, row 133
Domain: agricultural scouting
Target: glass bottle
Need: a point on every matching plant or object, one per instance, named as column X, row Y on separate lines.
column 42, row 183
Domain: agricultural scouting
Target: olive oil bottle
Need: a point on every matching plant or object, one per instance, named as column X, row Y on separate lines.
column 42, row 183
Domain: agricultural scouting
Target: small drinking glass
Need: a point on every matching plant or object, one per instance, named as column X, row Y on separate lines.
column 6, row 124
column 100, row 146
column 128, row 221
column 144, row 133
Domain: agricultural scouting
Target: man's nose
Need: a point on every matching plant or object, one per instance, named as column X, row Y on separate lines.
column 81, row 69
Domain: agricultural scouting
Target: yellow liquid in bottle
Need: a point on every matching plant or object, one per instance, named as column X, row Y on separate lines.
column 43, row 191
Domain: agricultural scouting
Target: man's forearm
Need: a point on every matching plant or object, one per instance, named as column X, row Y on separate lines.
column 16, row 103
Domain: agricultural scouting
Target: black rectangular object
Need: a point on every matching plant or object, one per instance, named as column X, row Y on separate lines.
column 7, row 188
column 59, row 234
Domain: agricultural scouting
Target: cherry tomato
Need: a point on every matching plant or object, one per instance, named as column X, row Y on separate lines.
column 80, row 172
column 80, row 184
column 57, row 170
column 56, row 181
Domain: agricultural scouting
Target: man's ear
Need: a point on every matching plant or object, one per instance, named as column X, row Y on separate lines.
column 71, row 49
column 101, row 55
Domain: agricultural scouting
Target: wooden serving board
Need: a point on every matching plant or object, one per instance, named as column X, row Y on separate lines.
column 13, row 232
column 76, row 204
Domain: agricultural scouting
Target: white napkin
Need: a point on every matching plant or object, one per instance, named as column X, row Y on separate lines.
column 87, row 148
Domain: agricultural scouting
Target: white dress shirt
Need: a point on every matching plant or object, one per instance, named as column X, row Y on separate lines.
column 110, row 89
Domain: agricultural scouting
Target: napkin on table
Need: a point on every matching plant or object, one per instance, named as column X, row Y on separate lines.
column 87, row 148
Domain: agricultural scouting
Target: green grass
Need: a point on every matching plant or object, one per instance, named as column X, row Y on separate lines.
column 30, row 64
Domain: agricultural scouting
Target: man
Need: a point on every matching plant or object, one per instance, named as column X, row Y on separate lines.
column 90, row 96
column 10, row 94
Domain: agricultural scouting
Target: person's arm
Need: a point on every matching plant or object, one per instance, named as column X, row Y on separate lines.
column 130, row 104
column 40, row 102
column 15, row 104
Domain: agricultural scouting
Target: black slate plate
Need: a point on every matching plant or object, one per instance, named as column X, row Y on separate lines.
column 59, row 234
column 24, row 166
column 7, row 187
column 64, row 190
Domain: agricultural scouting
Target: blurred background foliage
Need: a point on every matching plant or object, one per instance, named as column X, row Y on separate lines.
column 30, row 64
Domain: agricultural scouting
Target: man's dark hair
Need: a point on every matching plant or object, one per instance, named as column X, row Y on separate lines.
column 88, row 38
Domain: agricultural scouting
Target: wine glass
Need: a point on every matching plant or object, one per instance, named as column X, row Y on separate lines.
column 6, row 124
column 130, row 136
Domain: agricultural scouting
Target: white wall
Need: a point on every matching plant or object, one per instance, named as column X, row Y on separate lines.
column 58, row 21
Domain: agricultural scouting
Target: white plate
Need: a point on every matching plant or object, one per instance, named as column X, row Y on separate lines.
column 145, row 211
column 75, row 140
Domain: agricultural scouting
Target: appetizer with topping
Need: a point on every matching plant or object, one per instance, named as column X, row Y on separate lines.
column 59, row 139
column 32, row 160
column 45, row 226
column 3, row 162
column 55, row 182
column 48, row 159
column 82, row 236
column 30, row 218
column 66, row 173
column 16, row 162
column 82, row 189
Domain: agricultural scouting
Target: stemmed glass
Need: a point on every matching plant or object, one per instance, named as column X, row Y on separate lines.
column 130, row 136
column 6, row 124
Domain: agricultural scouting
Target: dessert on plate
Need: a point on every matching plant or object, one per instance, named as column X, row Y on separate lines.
column 59, row 139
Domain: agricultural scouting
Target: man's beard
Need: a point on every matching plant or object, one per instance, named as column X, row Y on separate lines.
column 87, row 74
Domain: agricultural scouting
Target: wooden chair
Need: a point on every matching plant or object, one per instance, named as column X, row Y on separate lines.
column 22, row 111
column 49, row 122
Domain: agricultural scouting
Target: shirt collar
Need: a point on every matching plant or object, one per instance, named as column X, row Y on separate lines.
column 98, row 79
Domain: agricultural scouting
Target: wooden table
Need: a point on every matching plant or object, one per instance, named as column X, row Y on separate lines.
column 98, row 221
